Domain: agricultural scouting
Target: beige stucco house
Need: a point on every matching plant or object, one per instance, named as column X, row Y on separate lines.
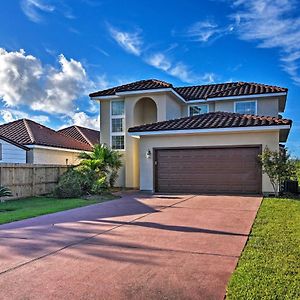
column 193, row 139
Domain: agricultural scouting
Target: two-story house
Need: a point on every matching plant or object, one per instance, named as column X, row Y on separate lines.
column 193, row 139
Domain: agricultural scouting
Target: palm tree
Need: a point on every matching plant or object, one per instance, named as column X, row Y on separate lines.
column 103, row 161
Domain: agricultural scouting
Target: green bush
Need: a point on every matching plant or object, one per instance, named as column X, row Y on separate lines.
column 69, row 185
column 96, row 172
column 99, row 186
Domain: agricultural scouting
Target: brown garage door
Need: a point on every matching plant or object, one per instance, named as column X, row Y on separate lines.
column 208, row 170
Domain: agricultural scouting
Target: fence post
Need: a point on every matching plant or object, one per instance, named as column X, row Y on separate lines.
column 33, row 180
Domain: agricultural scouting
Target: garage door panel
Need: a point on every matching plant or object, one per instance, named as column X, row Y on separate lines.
column 211, row 170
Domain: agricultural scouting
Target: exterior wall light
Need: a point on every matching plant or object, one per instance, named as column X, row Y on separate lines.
column 148, row 154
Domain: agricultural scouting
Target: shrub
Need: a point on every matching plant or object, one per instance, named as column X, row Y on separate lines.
column 4, row 192
column 278, row 166
column 99, row 186
column 69, row 185
column 103, row 162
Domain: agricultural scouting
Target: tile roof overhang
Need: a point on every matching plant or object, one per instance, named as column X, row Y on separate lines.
column 197, row 93
column 214, row 122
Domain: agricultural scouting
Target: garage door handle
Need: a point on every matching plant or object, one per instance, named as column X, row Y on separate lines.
column 155, row 163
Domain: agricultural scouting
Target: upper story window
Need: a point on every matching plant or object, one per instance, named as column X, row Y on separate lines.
column 117, row 108
column 199, row 109
column 245, row 107
column 117, row 135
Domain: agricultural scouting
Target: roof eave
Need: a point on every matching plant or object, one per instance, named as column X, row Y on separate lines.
column 280, row 94
column 137, row 92
column 210, row 130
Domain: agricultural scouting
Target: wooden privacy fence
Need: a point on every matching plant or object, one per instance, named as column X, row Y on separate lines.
column 27, row 180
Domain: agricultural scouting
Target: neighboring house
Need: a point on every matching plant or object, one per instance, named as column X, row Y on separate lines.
column 12, row 152
column 199, row 139
column 82, row 134
column 45, row 145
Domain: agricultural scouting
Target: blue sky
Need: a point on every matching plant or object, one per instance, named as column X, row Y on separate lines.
column 54, row 52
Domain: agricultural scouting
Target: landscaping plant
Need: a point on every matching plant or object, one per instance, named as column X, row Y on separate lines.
column 4, row 192
column 96, row 173
column 279, row 166
column 104, row 162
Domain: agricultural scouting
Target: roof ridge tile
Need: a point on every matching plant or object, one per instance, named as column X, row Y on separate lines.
column 29, row 131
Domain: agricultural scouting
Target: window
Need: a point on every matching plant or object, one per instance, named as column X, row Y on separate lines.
column 245, row 107
column 195, row 110
column 117, row 108
column 1, row 152
column 117, row 125
column 117, row 142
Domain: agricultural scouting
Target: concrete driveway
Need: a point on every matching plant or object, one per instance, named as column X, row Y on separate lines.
column 136, row 247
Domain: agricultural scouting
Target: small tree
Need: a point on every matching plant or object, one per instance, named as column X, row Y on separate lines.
column 278, row 166
column 104, row 162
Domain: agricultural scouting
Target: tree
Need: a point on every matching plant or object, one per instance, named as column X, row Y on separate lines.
column 278, row 166
column 103, row 162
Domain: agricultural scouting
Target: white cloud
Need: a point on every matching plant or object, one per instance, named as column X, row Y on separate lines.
column 25, row 81
column 207, row 31
column 129, row 41
column 273, row 24
column 202, row 31
column 9, row 115
column 159, row 61
column 179, row 70
column 132, row 43
column 33, row 9
column 82, row 119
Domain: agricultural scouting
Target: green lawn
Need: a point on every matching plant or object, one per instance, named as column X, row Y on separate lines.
column 269, row 267
column 15, row 210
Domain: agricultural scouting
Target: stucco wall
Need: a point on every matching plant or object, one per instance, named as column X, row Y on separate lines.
column 167, row 108
column 12, row 153
column 105, row 122
column 174, row 108
column 268, row 107
column 265, row 106
column 54, row 157
column 270, row 139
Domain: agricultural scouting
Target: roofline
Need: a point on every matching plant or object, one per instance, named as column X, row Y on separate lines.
column 55, row 148
column 78, row 128
column 210, row 130
column 240, row 97
column 136, row 92
column 13, row 143
column 172, row 90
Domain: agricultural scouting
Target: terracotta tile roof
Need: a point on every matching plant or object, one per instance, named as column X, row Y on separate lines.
column 226, row 90
column 212, row 120
column 28, row 132
column 82, row 134
column 197, row 91
column 134, row 86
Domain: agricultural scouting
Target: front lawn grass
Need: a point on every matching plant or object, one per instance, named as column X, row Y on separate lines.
column 269, row 267
column 15, row 210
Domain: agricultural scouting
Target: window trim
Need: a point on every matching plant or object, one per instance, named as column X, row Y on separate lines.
column 121, row 133
column 249, row 101
column 201, row 104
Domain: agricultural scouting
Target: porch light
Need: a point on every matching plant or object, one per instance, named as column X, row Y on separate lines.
column 148, row 154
